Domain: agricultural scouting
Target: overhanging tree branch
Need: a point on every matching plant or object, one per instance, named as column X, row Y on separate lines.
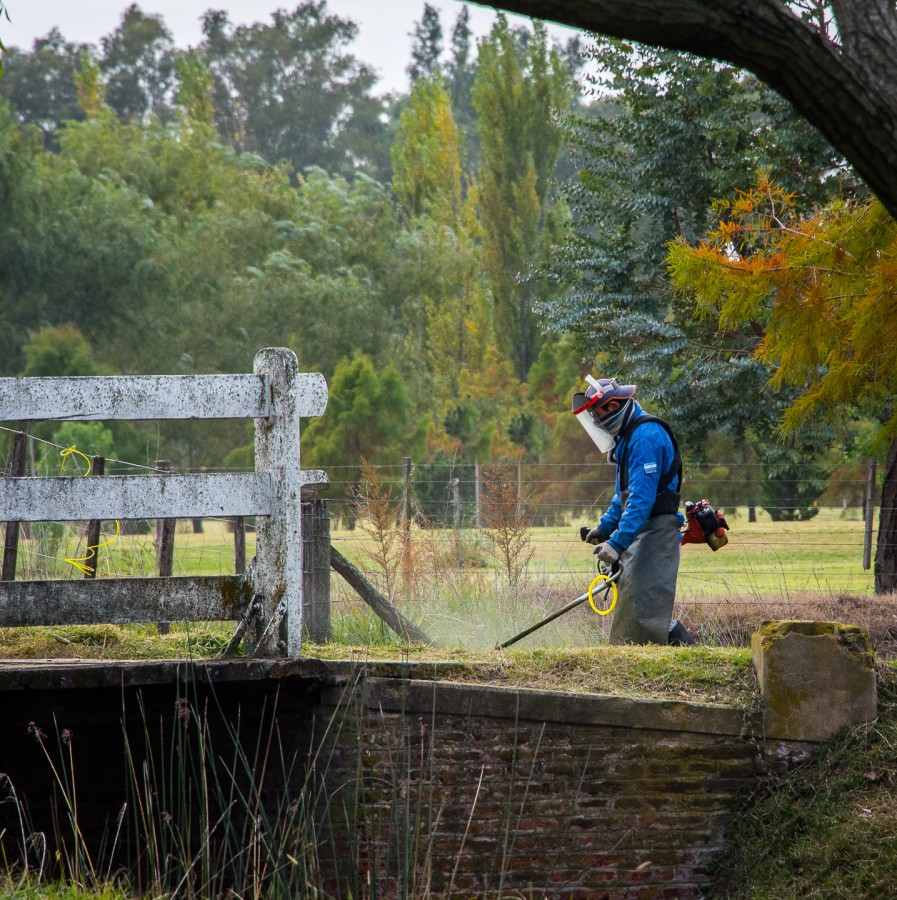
column 849, row 92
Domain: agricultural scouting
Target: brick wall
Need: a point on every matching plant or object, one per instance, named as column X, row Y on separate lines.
column 493, row 791
column 419, row 788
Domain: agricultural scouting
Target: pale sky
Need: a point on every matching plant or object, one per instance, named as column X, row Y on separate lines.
column 383, row 41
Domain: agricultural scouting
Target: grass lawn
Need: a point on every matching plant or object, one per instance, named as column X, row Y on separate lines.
column 821, row 555
column 455, row 588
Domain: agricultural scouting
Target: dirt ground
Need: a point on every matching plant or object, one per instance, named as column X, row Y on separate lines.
column 730, row 623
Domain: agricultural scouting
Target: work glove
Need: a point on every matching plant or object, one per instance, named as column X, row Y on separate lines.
column 606, row 553
column 592, row 535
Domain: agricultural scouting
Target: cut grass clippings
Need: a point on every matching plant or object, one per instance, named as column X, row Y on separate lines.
column 722, row 675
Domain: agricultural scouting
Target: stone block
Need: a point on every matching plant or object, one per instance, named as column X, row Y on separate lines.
column 815, row 678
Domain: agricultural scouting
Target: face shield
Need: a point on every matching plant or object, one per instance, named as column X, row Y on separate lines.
column 600, row 392
column 584, row 409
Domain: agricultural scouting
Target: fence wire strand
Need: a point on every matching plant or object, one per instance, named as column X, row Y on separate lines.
column 762, row 557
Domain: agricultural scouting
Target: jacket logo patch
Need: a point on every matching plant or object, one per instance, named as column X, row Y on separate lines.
column 650, row 468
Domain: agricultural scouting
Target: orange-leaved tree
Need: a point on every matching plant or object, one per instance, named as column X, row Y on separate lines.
column 820, row 291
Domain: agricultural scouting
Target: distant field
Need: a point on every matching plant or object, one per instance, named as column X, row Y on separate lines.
column 822, row 556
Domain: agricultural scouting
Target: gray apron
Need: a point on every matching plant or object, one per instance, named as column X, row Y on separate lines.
column 647, row 585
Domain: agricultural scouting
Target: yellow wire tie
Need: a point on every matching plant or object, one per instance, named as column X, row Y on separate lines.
column 79, row 561
column 65, row 454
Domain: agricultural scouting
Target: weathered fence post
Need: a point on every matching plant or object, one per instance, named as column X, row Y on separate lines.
column 11, row 541
column 406, row 517
column 239, row 524
column 477, row 497
column 749, row 479
column 92, row 554
column 406, row 493
column 278, row 557
column 455, row 487
column 316, row 569
column 165, row 529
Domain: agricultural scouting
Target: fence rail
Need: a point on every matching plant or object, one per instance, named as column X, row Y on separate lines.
column 276, row 395
column 141, row 497
column 120, row 601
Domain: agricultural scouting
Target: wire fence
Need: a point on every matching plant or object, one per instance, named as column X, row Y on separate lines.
column 553, row 492
column 821, row 556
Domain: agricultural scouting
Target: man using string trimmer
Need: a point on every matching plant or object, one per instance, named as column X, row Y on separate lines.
column 639, row 532
column 638, row 538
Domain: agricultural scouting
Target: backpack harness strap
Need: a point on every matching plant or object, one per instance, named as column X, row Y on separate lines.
column 667, row 502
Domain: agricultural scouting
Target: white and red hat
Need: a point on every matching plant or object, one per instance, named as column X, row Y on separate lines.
column 599, row 392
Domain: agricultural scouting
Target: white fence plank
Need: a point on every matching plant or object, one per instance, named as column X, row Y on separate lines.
column 122, row 600
column 140, row 497
column 276, row 395
column 151, row 397
column 133, row 497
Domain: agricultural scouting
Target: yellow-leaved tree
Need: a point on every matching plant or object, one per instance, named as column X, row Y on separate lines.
column 820, row 292
column 451, row 332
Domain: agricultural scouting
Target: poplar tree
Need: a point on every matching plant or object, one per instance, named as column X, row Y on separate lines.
column 448, row 309
column 425, row 156
column 426, row 46
column 518, row 93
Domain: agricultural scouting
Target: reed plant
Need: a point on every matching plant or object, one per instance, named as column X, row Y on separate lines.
column 211, row 811
column 196, row 820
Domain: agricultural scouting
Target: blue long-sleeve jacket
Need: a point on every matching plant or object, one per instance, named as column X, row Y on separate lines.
column 648, row 454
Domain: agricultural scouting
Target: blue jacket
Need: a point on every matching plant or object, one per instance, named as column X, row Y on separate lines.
column 649, row 454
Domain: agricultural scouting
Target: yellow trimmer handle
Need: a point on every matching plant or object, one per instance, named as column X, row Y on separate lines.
column 612, row 584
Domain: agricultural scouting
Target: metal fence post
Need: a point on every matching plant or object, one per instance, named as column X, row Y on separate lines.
column 316, row 569
column 279, row 536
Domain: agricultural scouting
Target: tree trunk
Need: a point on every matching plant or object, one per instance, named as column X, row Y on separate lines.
column 849, row 92
column 886, row 548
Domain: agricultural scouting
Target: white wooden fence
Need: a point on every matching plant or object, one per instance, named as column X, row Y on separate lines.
column 276, row 395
